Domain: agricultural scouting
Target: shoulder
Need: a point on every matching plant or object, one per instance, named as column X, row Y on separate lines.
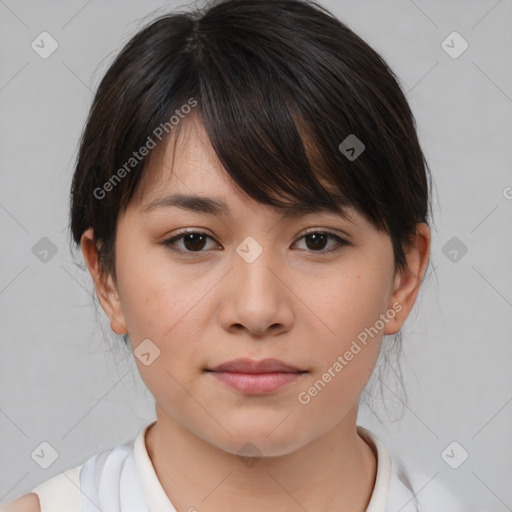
column 61, row 492
column 404, row 488
column 26, row 503
column 113, row 469
column 427, row 492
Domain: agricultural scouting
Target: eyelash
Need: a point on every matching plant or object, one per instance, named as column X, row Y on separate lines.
column 341, row 243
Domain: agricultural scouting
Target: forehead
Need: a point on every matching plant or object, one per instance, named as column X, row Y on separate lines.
column 185, row 162
column 185, row 172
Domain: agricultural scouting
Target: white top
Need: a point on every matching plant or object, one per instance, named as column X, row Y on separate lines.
column 123, row 479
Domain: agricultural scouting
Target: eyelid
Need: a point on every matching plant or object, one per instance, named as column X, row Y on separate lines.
column 169, row 242
column 322, row 230
column 341, row 241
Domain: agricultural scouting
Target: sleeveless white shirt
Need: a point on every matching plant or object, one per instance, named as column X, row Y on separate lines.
column 123, row 479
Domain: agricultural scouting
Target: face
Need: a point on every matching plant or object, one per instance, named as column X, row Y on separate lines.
column 250, row 283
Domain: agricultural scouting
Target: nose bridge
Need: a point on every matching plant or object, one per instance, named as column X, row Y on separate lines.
column 255, row 299
column 253, row 263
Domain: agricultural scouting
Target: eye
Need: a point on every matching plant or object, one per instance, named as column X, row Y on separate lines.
column 317, row 240
column 196, row 241
column 193, row 241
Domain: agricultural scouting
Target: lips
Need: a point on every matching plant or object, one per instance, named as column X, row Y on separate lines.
column 256, row 377
column 245, row 365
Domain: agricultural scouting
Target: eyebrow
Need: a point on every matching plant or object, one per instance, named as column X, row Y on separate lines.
column 217, row 207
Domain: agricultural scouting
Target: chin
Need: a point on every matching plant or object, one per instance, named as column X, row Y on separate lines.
column 254, row 441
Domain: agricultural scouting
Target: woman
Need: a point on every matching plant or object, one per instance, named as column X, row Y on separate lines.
column 252, row 202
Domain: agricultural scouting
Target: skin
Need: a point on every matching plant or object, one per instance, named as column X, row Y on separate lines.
column 291, row 303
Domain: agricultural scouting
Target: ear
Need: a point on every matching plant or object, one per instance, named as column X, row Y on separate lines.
column 106, row 289
column 407, row 283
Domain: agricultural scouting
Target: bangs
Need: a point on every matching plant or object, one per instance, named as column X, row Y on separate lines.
column 268, row 128
column 276, row 113
column 280, row 87
column 283, row 168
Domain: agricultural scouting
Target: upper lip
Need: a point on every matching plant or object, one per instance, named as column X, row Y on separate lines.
column 245, row 365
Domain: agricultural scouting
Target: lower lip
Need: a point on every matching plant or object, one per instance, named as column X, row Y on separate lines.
column 257, row 383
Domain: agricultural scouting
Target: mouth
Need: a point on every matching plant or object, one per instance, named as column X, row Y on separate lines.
column 256, row 377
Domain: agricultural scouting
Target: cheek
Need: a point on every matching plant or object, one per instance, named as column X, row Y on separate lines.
column 156, row 293
column 158, row 307
column 349, row 308
column 343, row 365
column 347, row 301
column 162, row 303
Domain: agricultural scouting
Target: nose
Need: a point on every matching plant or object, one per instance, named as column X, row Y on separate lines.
column 256, row 297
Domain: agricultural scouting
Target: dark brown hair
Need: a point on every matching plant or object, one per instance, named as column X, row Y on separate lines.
column 278, row 86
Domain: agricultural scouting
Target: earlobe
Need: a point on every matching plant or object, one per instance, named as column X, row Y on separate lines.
column 106, row 289
column 407, row 282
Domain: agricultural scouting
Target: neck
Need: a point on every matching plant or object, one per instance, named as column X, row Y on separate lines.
column 335, row 471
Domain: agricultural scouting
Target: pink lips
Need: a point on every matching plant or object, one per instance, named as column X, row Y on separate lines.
column 256, row 377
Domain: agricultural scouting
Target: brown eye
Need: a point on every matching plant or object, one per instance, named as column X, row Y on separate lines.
column 316, row 241
column 196, row 242
column 192, row 241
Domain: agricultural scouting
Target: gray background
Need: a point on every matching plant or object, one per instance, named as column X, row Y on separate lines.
column 66, row 380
